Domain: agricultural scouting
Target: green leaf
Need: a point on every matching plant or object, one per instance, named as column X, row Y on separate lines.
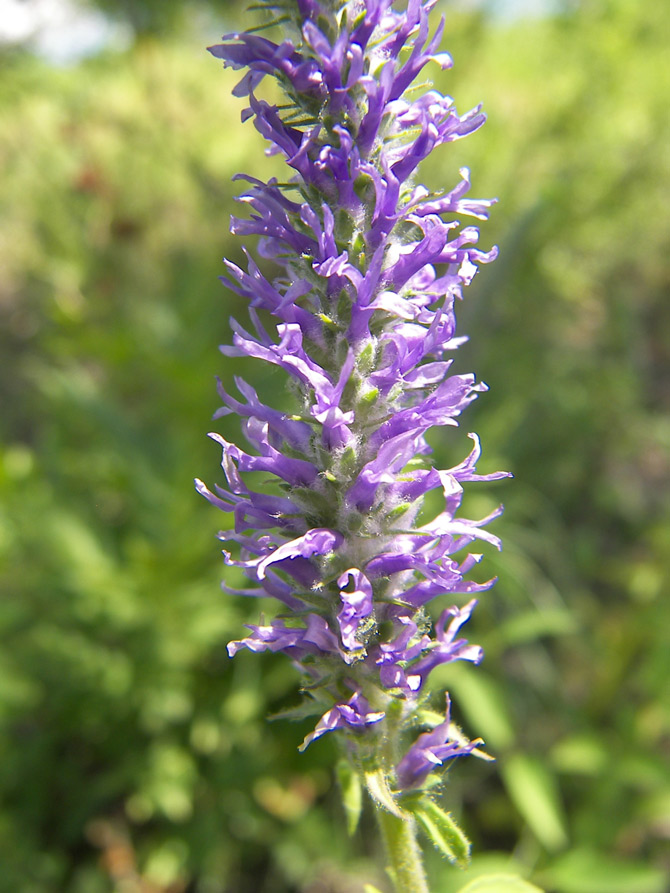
column 443, row 831
column 428, row 717
column 301, row 711
column 352, row 793
column 398, row 512
column 348, row 461
column 499, row 883
column 366, row 359
column 368, row 888
column 379, row 790
column 534, row 793
column 528, row 626
column 587, row 871
column 311, row 500
column 370, row 397
column 484, row 704
column 581, row 754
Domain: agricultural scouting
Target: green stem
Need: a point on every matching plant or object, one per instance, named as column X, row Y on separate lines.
column 406, row 863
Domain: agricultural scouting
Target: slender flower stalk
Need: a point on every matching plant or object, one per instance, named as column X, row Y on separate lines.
column 367, row 265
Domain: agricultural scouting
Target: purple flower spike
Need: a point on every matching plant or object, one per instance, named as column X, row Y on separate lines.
column 351, row 307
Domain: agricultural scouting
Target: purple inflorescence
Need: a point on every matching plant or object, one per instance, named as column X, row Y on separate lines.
column 369, row 265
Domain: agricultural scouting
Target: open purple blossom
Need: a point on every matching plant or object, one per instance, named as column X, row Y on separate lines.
column 432, row 749
column 360, row 270
column 355, row 714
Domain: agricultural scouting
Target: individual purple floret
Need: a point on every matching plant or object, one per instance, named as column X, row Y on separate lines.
column 430, row 750
column 355, row 714
column 358, row 269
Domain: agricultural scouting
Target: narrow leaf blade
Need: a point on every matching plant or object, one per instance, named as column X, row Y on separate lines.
column 443, row 831
column 380, row 791
column 535, row 794
column 352, row 794
column 499, row 883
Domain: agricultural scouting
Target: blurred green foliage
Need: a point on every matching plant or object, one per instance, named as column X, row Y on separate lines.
column 156, row 18
column 135, row 756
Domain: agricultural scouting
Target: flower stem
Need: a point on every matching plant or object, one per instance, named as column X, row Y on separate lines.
column 405, row 861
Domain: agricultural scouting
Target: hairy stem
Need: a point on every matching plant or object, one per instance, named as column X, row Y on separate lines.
column 405, row 861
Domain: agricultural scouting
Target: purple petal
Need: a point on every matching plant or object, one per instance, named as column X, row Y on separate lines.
column 356, row 606
column 355, row 713
column 319, row 541
column 430, row 750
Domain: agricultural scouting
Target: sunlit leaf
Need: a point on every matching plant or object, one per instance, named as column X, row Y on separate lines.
column 588, row 871
column 534, row 792
column 442, row 830
column 500, row 883
column 379, row 790
column 352, row 793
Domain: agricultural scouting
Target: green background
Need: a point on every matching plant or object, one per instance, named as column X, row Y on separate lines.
column 136, row 758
